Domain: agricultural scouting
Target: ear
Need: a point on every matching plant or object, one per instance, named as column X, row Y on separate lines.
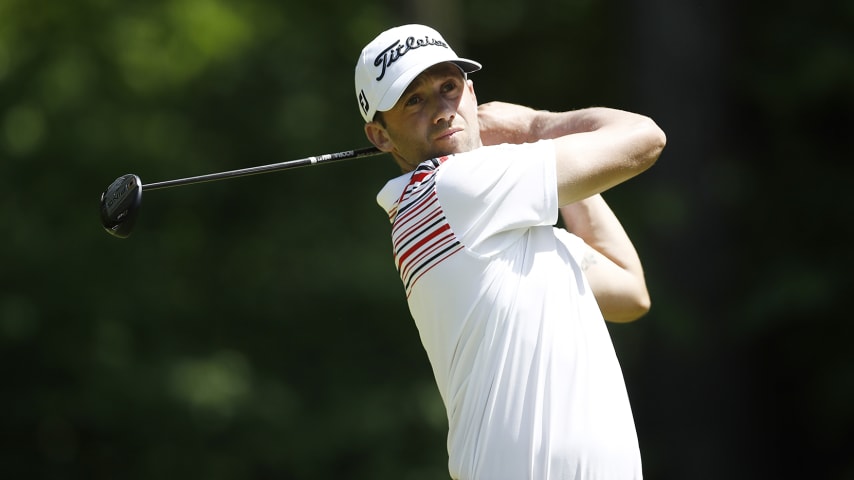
column 378, row 136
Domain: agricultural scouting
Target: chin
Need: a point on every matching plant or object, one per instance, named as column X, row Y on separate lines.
column 451, row 149
column 443, row 153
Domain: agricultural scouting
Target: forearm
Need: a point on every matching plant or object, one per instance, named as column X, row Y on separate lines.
column 612, row 266
column 508, row 123
column 593, row 221
column 546, row 124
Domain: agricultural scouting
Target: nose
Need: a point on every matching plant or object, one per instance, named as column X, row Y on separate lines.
column 446, row 111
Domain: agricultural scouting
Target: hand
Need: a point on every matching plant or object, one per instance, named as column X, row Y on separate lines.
column 502, row 122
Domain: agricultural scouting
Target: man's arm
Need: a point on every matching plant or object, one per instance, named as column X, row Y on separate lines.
column 596, row 149
column 611, row 265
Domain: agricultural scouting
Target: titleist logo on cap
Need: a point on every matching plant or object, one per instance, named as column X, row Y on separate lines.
column 397, row 50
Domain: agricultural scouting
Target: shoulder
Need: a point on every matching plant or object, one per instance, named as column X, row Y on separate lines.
column 389, row 195
column 499, row 157
column 511, row 150
column 494, row 163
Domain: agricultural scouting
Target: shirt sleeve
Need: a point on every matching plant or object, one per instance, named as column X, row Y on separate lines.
column 492, row 195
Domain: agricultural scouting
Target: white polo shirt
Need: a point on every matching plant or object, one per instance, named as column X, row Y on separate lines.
column 518, row 346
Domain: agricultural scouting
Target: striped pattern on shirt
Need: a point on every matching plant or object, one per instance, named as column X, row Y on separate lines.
column 421, row 236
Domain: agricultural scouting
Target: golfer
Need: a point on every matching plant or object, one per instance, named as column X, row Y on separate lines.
column 509, row 308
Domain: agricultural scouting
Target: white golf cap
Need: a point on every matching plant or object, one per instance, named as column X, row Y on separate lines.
column 393, row 59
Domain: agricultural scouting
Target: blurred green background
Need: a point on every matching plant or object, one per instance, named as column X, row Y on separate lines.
column 256, row 329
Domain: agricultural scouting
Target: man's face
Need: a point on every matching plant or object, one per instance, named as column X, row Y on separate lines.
column 435, row 116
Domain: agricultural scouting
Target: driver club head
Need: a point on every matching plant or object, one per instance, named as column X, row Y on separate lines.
column 120, row 204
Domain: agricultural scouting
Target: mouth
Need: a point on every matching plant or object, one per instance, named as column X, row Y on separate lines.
column 448, row 134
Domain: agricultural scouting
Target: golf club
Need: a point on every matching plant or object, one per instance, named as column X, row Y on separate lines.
column 121, row 200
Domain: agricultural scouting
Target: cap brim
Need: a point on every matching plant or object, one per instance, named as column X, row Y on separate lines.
column 392, row 95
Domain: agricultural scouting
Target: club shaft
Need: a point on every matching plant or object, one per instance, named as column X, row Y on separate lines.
column 274, row 167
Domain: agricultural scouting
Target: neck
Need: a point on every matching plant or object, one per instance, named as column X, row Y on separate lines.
column 405, row 165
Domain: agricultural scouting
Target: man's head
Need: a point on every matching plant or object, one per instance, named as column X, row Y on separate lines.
column 412, row 76
column 393, row 59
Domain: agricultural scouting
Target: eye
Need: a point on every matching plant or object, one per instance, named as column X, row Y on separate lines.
column 449, row 87
column 412, row 100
